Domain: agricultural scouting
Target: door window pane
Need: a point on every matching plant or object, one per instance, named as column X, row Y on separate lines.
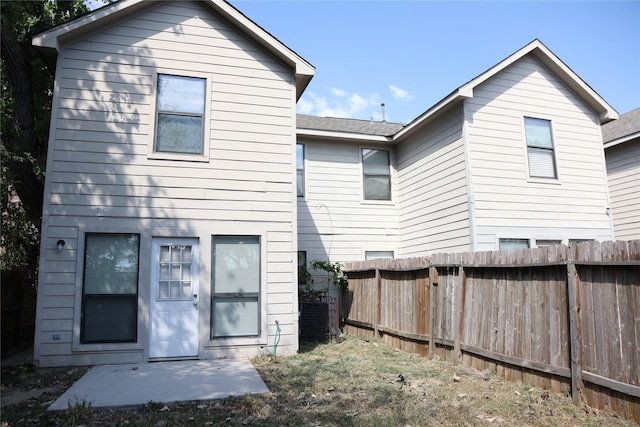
column 175, row 272
column 110, row 288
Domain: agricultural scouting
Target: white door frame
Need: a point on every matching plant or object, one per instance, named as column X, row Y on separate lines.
column 173, row 298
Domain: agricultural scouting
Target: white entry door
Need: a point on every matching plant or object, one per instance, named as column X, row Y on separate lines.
column 174, row 298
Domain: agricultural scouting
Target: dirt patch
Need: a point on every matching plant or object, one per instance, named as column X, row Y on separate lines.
column 354, row 383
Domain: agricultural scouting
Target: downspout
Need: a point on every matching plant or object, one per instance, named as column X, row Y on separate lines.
column 470, row 198
column 606, row 187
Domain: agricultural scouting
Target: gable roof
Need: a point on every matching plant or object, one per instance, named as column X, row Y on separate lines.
column 51, row 40
column 539, row 51
column 326, row 126
column 626, row 128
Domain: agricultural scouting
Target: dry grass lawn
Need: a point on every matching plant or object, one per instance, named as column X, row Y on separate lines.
column 354, row 383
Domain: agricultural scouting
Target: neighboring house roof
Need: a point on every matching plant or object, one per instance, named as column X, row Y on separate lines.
column 390, row 132
column 52, row 39
column 626, row 128
column 539, row 51
column 325, row 126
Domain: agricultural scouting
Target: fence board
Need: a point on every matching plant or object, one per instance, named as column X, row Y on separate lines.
column 553, row 317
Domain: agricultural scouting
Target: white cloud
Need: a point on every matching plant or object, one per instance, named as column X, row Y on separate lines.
column 304, row 106
column 340, row 104
column 338, row 92
column 400, row 94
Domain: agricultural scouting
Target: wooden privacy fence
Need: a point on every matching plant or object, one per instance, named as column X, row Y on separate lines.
column 560, row 318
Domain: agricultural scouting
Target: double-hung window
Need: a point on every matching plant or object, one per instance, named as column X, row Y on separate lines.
column 236, row 287
column 300, row 169
column 540, row 148
column 110, row 288
column 180, row 115
column 376, row 171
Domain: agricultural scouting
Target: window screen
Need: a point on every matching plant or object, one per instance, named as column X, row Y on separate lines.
column 110, row 288
column 235, row 305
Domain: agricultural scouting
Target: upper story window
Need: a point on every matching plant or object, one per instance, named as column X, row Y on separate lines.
column 180, row 115
column 300, row 169
column 540, row 148
column 376, row 174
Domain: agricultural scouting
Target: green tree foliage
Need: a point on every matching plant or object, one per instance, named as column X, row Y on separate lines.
column 25, row 107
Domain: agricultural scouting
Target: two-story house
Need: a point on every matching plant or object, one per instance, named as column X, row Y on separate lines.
column 511, row 159
column 181, row 185
column 169, row 220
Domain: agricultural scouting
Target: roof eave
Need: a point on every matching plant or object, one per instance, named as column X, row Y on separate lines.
column 537, row 49
column 51, row 40
column 324, row 134
column 606, row 112
column 432, row 113
column 621, row 140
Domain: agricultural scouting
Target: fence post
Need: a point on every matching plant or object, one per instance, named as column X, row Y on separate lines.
column 433, row 274
column 577, row 386
column 378, row 302
column 457, row 313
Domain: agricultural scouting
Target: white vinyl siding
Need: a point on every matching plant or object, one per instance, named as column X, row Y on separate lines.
column 100, row 176
column 334, row 223
column 432, row 182
column 623, row 169
column 507, row 202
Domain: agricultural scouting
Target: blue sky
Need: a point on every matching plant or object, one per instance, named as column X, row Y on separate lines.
column 411, row 54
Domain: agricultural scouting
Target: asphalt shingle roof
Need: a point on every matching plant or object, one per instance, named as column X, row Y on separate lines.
column 334, row 124
column 627, row 124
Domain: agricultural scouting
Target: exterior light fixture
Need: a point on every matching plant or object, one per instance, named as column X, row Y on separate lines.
column 60, row 244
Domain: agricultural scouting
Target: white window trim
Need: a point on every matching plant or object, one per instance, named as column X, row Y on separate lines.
column 262, row 338
column 537, row 179
column 206, row 132
column 365, row 201
column 76, row 345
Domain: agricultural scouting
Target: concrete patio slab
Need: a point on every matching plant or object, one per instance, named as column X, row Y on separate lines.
column 163, row 382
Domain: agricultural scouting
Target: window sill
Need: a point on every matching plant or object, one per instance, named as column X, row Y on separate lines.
column 549, row 181
column 179, row 157
column 378, row 202
column 235, row 341
column 126, row 346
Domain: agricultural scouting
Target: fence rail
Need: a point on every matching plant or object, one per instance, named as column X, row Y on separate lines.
column 563, row 318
